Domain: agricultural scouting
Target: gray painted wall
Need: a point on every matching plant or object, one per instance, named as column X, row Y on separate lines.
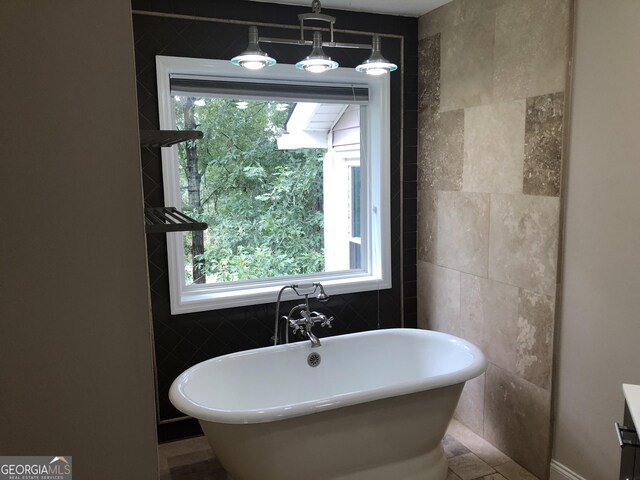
column 75, row 349
column 600, row 314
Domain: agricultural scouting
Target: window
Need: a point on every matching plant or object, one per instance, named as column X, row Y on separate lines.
column 291, row 175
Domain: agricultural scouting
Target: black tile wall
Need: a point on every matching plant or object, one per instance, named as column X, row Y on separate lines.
column 184, row 340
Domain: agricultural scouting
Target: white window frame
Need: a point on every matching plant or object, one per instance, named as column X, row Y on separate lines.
column 375, row 128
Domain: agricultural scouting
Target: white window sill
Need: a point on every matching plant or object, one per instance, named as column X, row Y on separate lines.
column 197, row 298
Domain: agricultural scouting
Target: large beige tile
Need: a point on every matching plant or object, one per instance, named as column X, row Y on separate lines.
column 494, row 147
column 463, row 232
column 518, row 419
column 440, row 150
column 512, row 326
column 513, row 471
column 470, row 10
column 535, row 338
column 429, row 75
column 472, row 308
column 524, row 241
column 427, row 224
column 489, row 312
column 469, row 466
column 466, row 69
column 543, row 145
column 531, row 38
column 455, row 13
column 438, row 298
column 470, row 409
column 478, row 445
column 439, row 20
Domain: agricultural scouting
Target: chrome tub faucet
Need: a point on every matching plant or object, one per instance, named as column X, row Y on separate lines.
column 301, row 318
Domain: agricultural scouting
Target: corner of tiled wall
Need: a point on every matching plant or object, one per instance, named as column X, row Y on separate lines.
column 492, row 76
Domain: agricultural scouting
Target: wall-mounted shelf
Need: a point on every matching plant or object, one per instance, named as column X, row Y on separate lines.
column 167, row 138
column 170, row 219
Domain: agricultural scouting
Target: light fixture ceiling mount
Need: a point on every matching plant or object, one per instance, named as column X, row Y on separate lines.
column 317, row 61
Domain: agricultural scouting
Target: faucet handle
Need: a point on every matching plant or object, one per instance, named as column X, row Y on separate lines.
column 295, row 325
column 327, row 322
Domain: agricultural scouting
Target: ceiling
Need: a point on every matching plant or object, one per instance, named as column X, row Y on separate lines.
column 408, row 8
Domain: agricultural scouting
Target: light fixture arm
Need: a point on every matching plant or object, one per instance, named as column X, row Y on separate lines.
column 289, row 41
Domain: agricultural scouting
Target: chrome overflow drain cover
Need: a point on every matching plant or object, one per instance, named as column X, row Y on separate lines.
column 314, row 359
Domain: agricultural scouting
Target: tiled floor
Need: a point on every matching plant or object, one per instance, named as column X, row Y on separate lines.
column 470, row 458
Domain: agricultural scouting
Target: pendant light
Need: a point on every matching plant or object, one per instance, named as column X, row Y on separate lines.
column 376, row 64
column 317, row 61
column 253, row 57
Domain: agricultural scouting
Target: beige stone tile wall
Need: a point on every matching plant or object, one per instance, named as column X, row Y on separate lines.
column 491, row 109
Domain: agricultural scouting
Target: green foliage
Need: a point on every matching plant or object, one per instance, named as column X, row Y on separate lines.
column 263, row 205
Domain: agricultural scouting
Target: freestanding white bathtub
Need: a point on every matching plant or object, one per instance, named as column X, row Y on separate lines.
column 375, row 407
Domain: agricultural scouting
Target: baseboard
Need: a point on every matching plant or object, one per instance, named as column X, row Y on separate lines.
column 561, row 472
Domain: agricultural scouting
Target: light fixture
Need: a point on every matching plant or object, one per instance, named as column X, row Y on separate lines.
column 317, row 61
column 253, row 57
column 376, row 64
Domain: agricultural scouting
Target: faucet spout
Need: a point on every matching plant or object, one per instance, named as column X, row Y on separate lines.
column 315, row 341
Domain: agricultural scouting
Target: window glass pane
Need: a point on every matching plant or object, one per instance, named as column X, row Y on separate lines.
column 355, row 202
column 258, row 179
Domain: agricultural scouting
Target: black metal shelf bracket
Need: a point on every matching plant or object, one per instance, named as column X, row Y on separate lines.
column 170, row 219
column 167, row 138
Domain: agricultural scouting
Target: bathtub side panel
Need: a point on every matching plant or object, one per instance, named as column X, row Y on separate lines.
column 339, row 443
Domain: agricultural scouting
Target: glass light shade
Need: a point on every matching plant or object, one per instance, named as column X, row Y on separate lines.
column 376, row 64
column 317, row 61
column 253, row 57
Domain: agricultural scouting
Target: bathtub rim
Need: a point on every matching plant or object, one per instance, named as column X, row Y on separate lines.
column 189, row 407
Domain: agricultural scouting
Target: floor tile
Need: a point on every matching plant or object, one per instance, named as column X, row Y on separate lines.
column 188, row 445
column 513, row 471
column 190, row 459
column 452, row 447
column 469, row 466
column 483, row 449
